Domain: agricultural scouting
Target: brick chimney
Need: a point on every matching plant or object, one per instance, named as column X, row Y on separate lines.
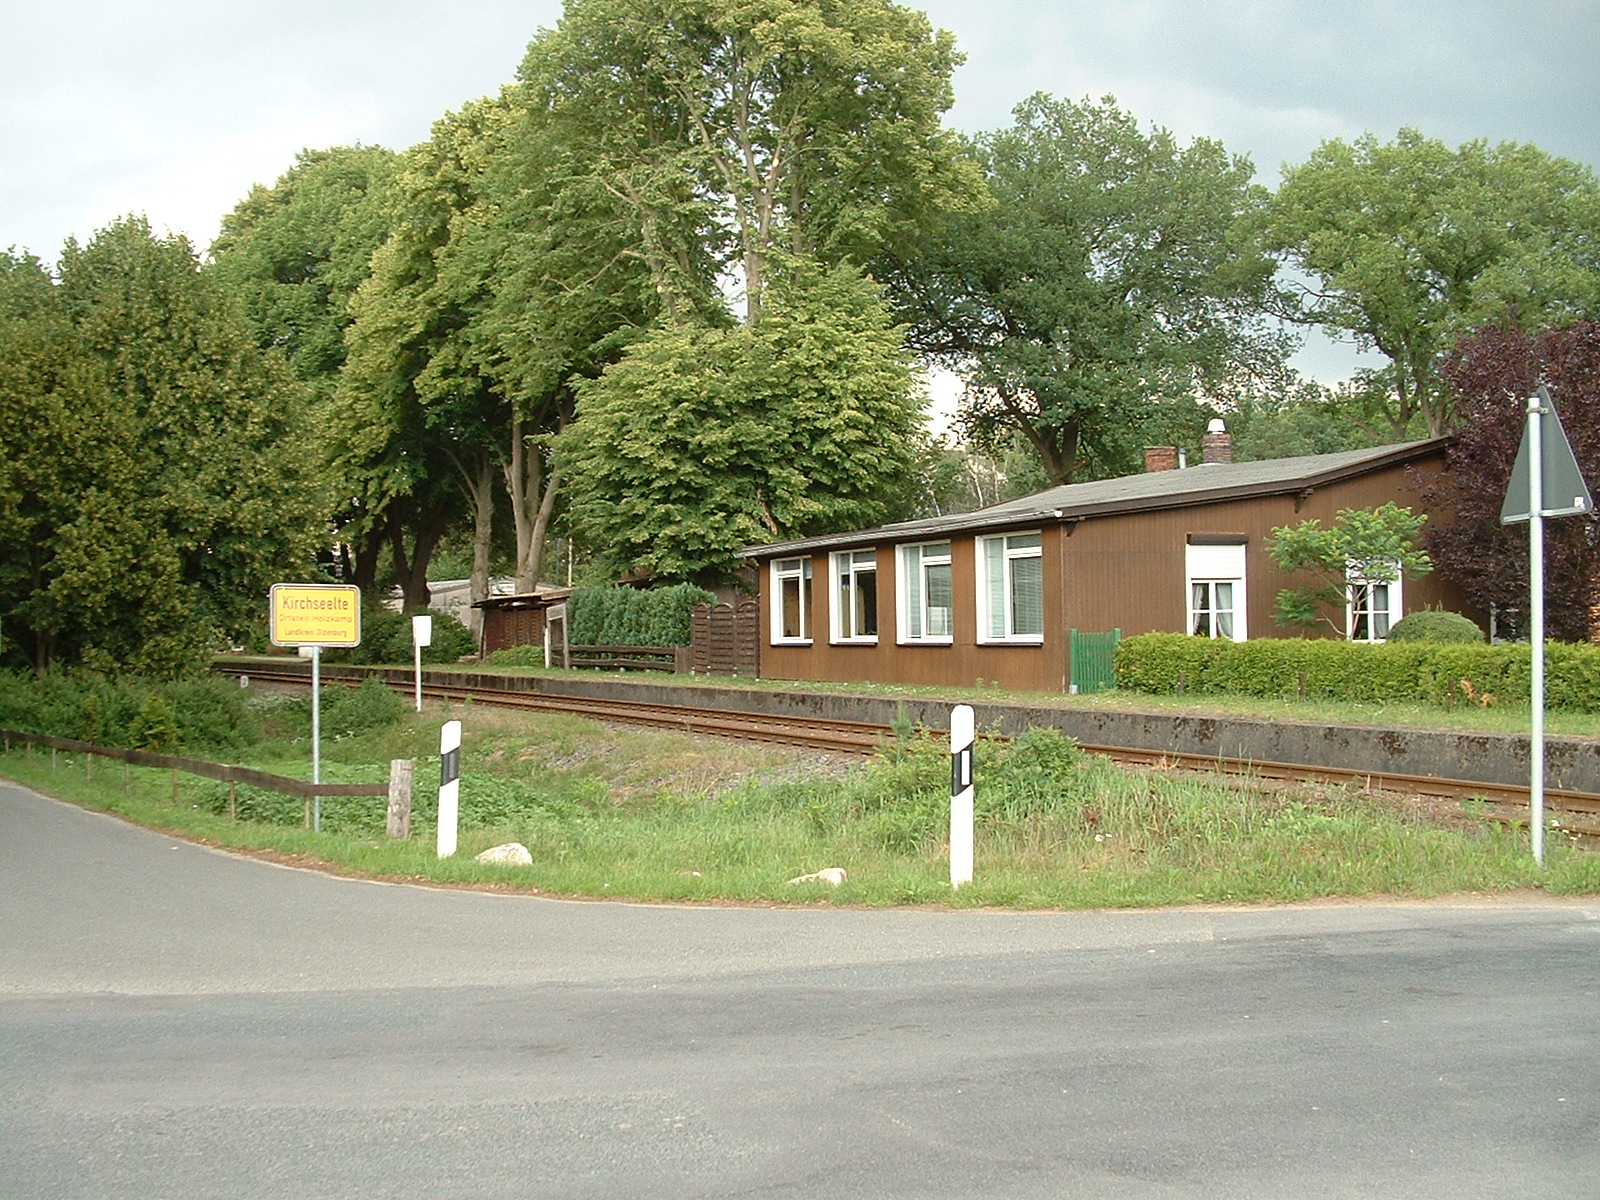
column 1160, row 458
column 1217, row 445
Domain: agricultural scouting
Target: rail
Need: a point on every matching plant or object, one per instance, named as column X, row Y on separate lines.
column 228, row 773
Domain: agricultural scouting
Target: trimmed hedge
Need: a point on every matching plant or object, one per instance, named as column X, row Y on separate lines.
column 1434, row 625
column 1444, row 674
column 625, row 616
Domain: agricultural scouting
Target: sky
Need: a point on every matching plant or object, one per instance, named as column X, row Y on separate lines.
column 174, row 108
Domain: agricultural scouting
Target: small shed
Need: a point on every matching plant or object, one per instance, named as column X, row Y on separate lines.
column 537, row 618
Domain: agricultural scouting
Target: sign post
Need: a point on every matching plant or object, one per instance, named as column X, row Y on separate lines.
column 962, row 735
column 1545, row 482
column 421, row 635
column 310, row 616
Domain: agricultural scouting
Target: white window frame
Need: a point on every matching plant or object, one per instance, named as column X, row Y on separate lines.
column 1207, row 566
column 912, row 591
column 846, row 626
column 1355, row 580
column 1013, row 547
column 785, row 570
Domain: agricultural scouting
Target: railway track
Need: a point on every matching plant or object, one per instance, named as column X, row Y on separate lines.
column 1577, row 813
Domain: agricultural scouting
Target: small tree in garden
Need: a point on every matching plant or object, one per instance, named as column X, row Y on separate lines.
column 1369, row 545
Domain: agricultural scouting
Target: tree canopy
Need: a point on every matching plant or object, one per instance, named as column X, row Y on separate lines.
column 1490, row 374
column 1407, row 245
column 181, row 486
column 701, row 440
column 733, row 129
column 1102, row 295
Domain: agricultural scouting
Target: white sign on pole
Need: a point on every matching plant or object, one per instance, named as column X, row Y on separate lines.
column 962, row 734
column 421, row 635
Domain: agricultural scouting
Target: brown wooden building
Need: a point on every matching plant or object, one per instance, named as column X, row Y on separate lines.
column 991, row 595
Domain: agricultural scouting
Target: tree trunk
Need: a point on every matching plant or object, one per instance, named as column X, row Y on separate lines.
column 411, row 568
column 533, row 494
column 479, row 482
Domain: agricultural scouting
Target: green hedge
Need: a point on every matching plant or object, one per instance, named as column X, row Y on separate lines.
column 205, row 714
column 1424, row 672
column 386, row 639
column 624, row 616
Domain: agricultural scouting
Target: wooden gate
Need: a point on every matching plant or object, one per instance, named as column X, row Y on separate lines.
column 726, row 639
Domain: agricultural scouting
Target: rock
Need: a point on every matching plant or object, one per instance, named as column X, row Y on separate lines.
column 829, row 875
column 512, row 854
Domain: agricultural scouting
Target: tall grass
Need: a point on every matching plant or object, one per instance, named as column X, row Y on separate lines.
column 662, row 816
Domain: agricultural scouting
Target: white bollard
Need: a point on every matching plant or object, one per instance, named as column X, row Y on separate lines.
column 449, row 786
column 962, row 735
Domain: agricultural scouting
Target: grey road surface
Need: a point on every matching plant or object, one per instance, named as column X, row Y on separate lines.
column 178, row 1022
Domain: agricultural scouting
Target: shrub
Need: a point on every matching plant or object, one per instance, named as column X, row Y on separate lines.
column 1443, row 673
column 1435, row 625
column 193, row 714
column 386, row 639
column 624, row 616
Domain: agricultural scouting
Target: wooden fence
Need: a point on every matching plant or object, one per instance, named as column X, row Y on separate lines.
column 727, row 639
column 398, row 789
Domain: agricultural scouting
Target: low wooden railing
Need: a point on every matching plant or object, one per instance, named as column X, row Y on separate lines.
column 398, row 789
column 631, row 658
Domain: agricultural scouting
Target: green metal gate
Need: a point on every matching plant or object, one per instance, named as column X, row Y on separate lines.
column 1094, row 657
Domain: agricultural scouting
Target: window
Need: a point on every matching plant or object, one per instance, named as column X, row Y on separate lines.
column 1211, row 608
column 1371, row 607
column 1214, row 580
column 1011, row 588
column 791, row 606
column 855, row 609
column 925, row 593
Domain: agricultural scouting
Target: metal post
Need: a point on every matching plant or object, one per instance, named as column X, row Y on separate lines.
column 316, row 736
column 1536, row 622
column 962, row 734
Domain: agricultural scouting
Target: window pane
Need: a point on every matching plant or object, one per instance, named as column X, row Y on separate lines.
column 866, row 603
column 994, row 566
column 792, row 626
column 1200, row 602
column 1027, row 596
column 913, row 577
column 939, row 600
column 1024, row 541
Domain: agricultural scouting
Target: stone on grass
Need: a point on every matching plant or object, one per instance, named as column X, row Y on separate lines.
column 513, row 854
column 829, row 875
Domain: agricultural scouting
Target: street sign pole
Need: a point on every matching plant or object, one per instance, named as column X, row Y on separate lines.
column 1536, row 622
column 316, row 736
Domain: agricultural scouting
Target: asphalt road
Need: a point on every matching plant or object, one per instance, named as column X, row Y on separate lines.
column 178, row 1022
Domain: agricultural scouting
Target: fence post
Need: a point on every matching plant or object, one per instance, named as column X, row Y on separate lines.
column 400, row 773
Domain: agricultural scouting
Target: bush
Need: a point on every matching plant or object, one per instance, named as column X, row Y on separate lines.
column 194, row 714
column 1435, row 625
column 1441, row 673
column 386, row 639
column 624, row 616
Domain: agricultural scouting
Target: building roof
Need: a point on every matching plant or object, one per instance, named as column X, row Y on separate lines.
column 1207, row 483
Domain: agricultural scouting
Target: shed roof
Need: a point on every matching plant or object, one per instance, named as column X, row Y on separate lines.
column 1207, row 483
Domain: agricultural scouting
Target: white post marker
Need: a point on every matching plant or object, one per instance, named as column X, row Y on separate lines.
column 449, row 786
column 316, row 732
column 962, row 734
column 421, row 635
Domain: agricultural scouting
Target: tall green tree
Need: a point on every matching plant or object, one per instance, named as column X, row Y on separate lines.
column 1106, row 293
column 1407, row 245
column 295, row 254
column 184, row 486
column 701, row 440
column 736, row 129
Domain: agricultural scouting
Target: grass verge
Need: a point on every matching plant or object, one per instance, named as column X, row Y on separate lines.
column 657, row 816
